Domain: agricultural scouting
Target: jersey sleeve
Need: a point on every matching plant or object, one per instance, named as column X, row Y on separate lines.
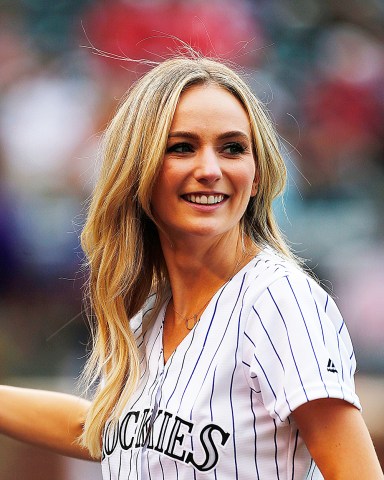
column 297, row 347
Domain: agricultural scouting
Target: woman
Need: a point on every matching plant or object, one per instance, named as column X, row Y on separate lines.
column 215, row 355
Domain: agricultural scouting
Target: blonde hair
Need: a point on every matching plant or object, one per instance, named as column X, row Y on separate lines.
column 120, row 237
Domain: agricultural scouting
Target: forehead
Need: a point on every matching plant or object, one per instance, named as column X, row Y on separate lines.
column 210, row 105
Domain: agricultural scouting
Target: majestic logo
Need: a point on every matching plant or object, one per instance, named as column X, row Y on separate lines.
column 331, row 367
column 167, row 434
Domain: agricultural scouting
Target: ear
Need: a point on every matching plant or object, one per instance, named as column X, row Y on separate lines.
column 255, row 184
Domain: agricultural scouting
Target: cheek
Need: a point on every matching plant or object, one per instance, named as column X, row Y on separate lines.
column 170, row 177
column 157, row 195
column 161, row 185
column 247, row 181
column 164, row 190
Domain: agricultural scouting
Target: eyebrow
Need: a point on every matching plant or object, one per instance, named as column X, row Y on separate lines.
column 223, row 136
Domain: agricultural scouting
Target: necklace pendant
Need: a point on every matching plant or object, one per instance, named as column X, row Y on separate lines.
column 195, row 320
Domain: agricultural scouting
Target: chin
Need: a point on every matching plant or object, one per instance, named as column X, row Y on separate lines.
column 210, row 232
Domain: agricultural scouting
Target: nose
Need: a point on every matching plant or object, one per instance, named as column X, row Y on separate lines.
column 207, row 166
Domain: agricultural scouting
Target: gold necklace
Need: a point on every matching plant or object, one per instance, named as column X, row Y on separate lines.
column 195, row 316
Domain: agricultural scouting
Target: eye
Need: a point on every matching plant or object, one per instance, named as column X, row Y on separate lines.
column 180, row 148
column 234, row 148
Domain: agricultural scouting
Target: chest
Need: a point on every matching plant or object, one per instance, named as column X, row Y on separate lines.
column 197, row 373
column 194, row 408
column 173, row 334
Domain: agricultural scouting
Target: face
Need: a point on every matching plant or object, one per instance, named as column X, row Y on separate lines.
column 208, row 173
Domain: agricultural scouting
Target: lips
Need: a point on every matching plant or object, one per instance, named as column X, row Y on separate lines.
column 204, row 199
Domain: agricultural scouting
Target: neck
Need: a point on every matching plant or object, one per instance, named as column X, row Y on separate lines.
column 196, row 272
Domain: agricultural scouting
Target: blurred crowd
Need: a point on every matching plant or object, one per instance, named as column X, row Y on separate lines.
column 318, row 65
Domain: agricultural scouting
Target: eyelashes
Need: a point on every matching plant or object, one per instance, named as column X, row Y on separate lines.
column 230, row 148
column 234, row 148
column 181, row 147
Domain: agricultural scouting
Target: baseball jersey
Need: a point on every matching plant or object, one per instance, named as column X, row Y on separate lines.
column 270, row 340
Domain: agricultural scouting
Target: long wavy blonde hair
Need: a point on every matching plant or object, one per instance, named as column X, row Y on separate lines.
column 120, row 238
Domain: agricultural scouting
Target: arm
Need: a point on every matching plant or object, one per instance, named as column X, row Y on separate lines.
column 338, row 440
column 45, row 419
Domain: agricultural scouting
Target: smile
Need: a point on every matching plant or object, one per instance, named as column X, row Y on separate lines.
column 204, row 199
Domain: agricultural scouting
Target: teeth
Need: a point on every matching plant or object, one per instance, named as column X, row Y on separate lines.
column 204, row 199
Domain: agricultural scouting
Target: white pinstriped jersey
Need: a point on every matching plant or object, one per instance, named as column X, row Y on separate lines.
column 270, row 340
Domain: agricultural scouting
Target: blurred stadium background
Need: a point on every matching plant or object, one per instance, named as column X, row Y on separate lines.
column 319, row 67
